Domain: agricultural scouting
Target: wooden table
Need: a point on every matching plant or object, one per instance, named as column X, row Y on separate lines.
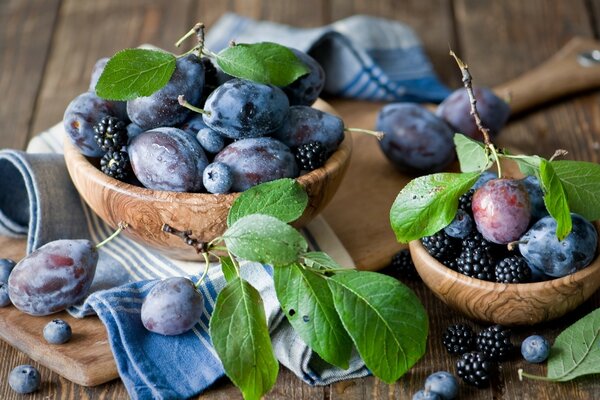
column 48, row 47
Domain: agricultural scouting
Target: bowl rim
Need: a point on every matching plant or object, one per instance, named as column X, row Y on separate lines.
column 578, row 276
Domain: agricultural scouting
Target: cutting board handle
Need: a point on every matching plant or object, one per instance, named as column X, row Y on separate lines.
column 561, row 75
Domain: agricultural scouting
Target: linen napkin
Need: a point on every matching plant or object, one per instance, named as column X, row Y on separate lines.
column 364, row 57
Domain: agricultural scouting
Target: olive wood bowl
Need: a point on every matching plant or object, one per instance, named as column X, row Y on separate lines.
column 502, row 303
column 146, row 210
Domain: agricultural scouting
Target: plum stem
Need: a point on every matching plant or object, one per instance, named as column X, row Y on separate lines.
column 467, row 80
column 121, row 226
column 191, row 32
column 206, row 267
column 558, row 153
column 183, row 102
column 378, row 134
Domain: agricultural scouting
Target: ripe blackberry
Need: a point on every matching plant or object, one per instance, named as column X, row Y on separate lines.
column 513, row 269
column 458, row 339
column 115, row 164
column 475, row 369
column 494, row 342
column 110, row 134
column 441, row 246
column 211, row 76
column 402, row 266
column 311, row 155
column 465, row 201
column 477, row 263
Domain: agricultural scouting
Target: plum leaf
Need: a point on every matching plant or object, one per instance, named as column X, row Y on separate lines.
column 555, row 199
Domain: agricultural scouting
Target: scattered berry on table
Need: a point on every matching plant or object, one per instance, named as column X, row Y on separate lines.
column 4, row 298
column 110, row 134
column 476, row 263
column 441, row 246
column 402, row 266
column 494, row 342
column 458, row 339
column 513, row 269
column 461, row 226
column 217, row 178
column 475, row 369
column 311, row 156
column 57, row 331
column 6, row 267
column 24, row 379
column 115, row 164
column 535, row 349
column 442, row 383
column 426, row 395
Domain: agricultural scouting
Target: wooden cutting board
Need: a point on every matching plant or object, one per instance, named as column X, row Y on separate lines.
column 358, row 214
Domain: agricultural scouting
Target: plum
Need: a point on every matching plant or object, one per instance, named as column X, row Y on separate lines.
column 6, row 267
column 168, row 159
column 83, row 113
column 501, row 210
column 306, row 124
column 543, row 251
column 162, row 108
column 53, row 277
column 536, row 197
column 416, row 140
column 257, row 160
column 456, row 111
column 96, row 72
column 305, row 90
column 173, row 306
column 240, row 109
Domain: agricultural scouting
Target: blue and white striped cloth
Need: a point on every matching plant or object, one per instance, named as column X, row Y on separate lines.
column 364, row 57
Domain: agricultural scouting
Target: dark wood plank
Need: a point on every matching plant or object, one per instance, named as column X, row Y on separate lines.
column 25, row 34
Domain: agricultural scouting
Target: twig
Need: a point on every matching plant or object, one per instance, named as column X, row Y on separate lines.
column 186, row 236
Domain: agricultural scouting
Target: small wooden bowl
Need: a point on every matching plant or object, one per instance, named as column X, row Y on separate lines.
column 501, row 303
column 146, row 210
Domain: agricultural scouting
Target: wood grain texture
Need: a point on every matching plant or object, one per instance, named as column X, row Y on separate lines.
column 145, row 211
column 26, row 30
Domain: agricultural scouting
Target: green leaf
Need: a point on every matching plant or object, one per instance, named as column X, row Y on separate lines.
column 472, row 155
column 555, row 199
column 308, row 304
column 239, row 333
column 320, row 260
column 529, row 165
column 228, row 268
column 266, row 62
column 581, row 182
column 576, row 351
column 135, row 73
column 264, row 239
column 385, row 320
column 428, row 203
column 284, row 199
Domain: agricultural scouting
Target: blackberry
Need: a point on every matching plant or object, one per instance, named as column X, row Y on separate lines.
column 458, row 339
column 494, row 342
column 115, row 164
column 476, row 240
column 441, row 246
column 110, row 134
column 402, row 266
column 475, row 369
column 465, row 201
column 513, row 269
column 477, row 263
column 311, row 155
column 211, row 76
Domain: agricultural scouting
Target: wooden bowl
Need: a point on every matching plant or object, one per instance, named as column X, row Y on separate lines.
column 205, row 214
column 502, row 303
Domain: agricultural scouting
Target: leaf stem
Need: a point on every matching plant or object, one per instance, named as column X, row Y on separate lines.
column 209, row 53
column 121, row 226
column 496, row 158
column 206, row 267
column 235, row 263
column 534, row 377
column 183, row 102
column 379, row 135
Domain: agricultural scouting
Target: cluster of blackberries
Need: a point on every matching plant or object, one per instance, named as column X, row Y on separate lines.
column 479, row 353
column 111, row 136
column 402, row 267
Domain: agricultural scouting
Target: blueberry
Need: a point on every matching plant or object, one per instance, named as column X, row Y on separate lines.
column 57, row 331
column 6, row 267
column 536, row 197
column 543, row 251
column 425, row 395
column 535, row 349
column 217, row 178
column 443, row 383
column 4, row 298
column 24, row 379
column 461, row 225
